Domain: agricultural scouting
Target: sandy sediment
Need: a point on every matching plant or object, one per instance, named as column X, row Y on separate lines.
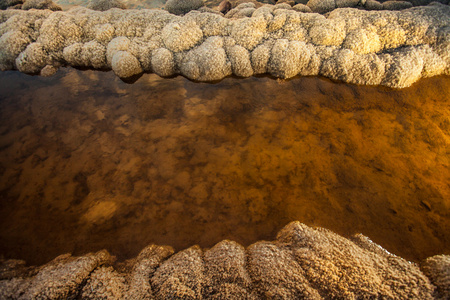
column 303, row 262
column 380, row 47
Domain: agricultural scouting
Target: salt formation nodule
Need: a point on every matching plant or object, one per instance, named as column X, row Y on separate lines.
column 377, row 47
column 302, row 262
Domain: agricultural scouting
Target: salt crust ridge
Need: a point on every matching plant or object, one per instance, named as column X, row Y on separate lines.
column 391, row 48
column 303, row 262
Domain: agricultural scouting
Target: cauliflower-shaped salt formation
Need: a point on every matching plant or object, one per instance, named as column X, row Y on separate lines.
column 181, row 7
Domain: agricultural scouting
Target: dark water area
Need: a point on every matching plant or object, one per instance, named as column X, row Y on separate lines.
column 89, row 162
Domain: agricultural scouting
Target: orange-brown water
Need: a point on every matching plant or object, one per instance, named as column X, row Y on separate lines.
column 89, row 162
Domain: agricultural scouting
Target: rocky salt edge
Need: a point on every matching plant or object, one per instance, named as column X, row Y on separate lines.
column 303, row 262
column 378, row 47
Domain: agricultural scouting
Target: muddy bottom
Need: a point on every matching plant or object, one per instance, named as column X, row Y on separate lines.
column 89, row 162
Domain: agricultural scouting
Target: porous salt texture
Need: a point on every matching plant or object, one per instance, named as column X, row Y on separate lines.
column 388, row 47
column 303, row 262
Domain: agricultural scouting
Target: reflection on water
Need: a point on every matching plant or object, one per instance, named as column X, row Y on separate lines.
column 88, row 162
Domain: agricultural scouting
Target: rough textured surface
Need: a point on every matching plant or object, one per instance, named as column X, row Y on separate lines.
column 59, row 279
column 41, row 4
column 181, row 276
column 321, row 6
column 437, row 268
column 396, row 5
column 124, row 64
column 302, row 263
column 393, row 48
column 330, row 260
column 181, row 7
column 4, row 4
column 103, row 5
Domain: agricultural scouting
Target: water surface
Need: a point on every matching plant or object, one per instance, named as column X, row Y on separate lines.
column 89, row 162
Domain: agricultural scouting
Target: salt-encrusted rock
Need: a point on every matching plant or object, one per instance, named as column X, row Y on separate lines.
column 41, row 4
column 212, row 24
column 348, row 66
column 91, row 54
column 282, row 5
column 143, row 52
column 367, row 68
column 265, row 12
column 304, row 262
column 104, row 283
column 362, row 41
column 181, row 7
column 316, row 61
column 373, row 5
column 276, row 274
column 242, row 10
column 347, row 3
column 144, row 267
column 12, row 44
column 164, row 43
column 437, row 268
column 442, row 47
column 59, row 30
column 4, row 4
column 288, row 2
column 125, row 64
column 396, row 5
column 321, row 6
column 260, row 57
column 181, row 35
column 426, row 2
column 32, row 60
column 225, row 272
column 390, row 33
column 277, row 22
column 207, row 62
column 249, row 32
column 120, row 43
column 224, row 6
column 104, row 33
column 433, row 63
column 13, row 288
column 328, row 32
column 288, row 58
column 295, row 32
column 403, row 68
column 240, row 61
column 323, row 254
column 104, row 5
column 61, row 278
column 339, row 66
column 163, row 62
column 302, row 8
column 181, row 276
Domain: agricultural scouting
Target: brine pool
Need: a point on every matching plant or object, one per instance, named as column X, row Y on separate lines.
column 88, row 162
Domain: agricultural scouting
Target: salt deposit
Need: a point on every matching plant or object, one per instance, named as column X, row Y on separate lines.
column 388, row 47
column 303, row 262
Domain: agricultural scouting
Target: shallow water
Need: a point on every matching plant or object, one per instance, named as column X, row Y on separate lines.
column 89, row 162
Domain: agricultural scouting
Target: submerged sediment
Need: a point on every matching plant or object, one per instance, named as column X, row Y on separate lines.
column 303, row 262
column 380, row 47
